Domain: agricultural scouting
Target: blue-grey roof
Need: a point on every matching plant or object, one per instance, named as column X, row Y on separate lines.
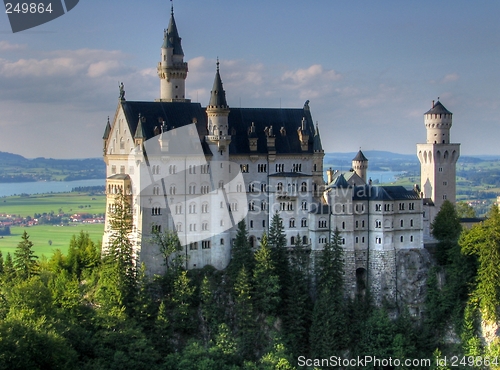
column 360, row 157
column 171, row 38
column 317, row 147
column 218, row 95
column 386, row 193
column 438, row 108
column 178, row 114
column 107, row 130
column 339, row 182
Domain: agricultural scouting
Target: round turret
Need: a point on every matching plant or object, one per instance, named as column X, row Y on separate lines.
column 438, row 122
column 360, row 165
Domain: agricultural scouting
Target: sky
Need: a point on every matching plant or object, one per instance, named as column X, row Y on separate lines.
column 369, row 68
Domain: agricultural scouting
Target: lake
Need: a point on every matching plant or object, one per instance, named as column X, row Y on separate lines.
column 43, row 187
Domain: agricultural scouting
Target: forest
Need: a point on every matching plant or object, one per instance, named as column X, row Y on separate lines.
column 266, row 310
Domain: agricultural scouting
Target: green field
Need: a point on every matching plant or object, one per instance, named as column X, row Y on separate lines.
column 58, row 203
column 41, row 234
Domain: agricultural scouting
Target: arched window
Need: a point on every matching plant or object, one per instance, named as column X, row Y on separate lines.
column 303, row 187
column 292, row 240
column 292, row 222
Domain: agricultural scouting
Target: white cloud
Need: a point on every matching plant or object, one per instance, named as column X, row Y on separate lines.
column 7, row 46
column 450, row 78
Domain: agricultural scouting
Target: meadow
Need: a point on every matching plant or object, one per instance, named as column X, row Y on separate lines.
column 40, row 235
column 69, row 203
column 47, row 238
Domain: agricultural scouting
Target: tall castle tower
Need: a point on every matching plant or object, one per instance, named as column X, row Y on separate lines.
column 438, row 157
column 360, row 165
column 172, row 69
column 218, row 137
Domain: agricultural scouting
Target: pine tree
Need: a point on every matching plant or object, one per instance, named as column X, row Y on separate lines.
column 297, row 312
column 182, row 298
column 446, row 229
column 119, row 255
column 1, row 263
column 9, row 272
column 277, row 243
column 244, row 315
column 267, row 286
column 24, row 258
column 241, row 253
column 328, row 331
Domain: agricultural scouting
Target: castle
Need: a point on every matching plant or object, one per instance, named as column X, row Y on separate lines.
column 199, row 170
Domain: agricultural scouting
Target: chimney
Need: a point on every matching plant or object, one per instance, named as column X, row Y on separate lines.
column 329, row 176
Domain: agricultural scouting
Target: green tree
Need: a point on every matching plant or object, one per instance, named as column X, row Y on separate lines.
column 297, row 313
column 328, row 332
column 446, row 229
column 244, row 315
column 120, row 268
column 1, row 264
column 464, row 210
column 9, row 272
column 241, row 253
column 483, row 242
column 277, row 242
column 83, row 254
column 25, row 261
column 170, row 246
column 182, row 299
column 266, row 280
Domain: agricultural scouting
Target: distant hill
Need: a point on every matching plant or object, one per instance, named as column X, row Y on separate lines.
column 16, row 168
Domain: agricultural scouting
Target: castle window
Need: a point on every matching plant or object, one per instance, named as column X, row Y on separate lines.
column 401, row 206
column 239, row 188
column 292, row 240
column 445, row 183
column 122, row 143
column 172, row 169
column 178, row 209
column 411, row 206
column 192, row 169
column 363, row 239
column 204, row 208
column 356, row 240
column 297, row 167
column 192, row 189
column 343, row 225
column 156, row 190
column 122, row 169
column 279, row 187
column 401, row 238
column 303, row 222
column 322, row 240
column 343, row 240
column 251, row 224
column 262, row 168
column 444, row 197
column 263, row 223
column 192, row 227
column 204, row 226
column 304, row 205
column 304, row 240
column 280, row 167
column 292, row 222
column 222, row 222
column 411, row 238
column 251, row 206
column 263, row 188
column 244, row 168
column 205, row 244
column 378, row 224
column 233, row 207
column 440, row 169
column 113, row 169
column 156, row 211
column 387, row 207
column 411, row 223
column 221, row 184
column 156, row 228
column 251, row 188
column 362, row 223
column 263, row 205
column 222, row 242
column 378, row 207
column 401, row 223
column 205, row 189
column 205, row 168
column 192, row 208
column 322, row 223
column 193, row 246
column 378, row 240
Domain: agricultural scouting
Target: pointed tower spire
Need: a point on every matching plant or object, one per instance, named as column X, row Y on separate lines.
column 218, row 113
column 172, row 70
column 218, row 95
column 317, row 146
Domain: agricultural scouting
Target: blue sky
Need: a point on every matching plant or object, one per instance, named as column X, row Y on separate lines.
column 370, row 69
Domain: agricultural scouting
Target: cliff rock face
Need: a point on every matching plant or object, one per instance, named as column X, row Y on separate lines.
column 412, row 270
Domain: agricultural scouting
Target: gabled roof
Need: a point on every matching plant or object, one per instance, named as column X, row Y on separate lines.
column 438, row 108
column 171, row 38
column 360, row 157
column 339, row 182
